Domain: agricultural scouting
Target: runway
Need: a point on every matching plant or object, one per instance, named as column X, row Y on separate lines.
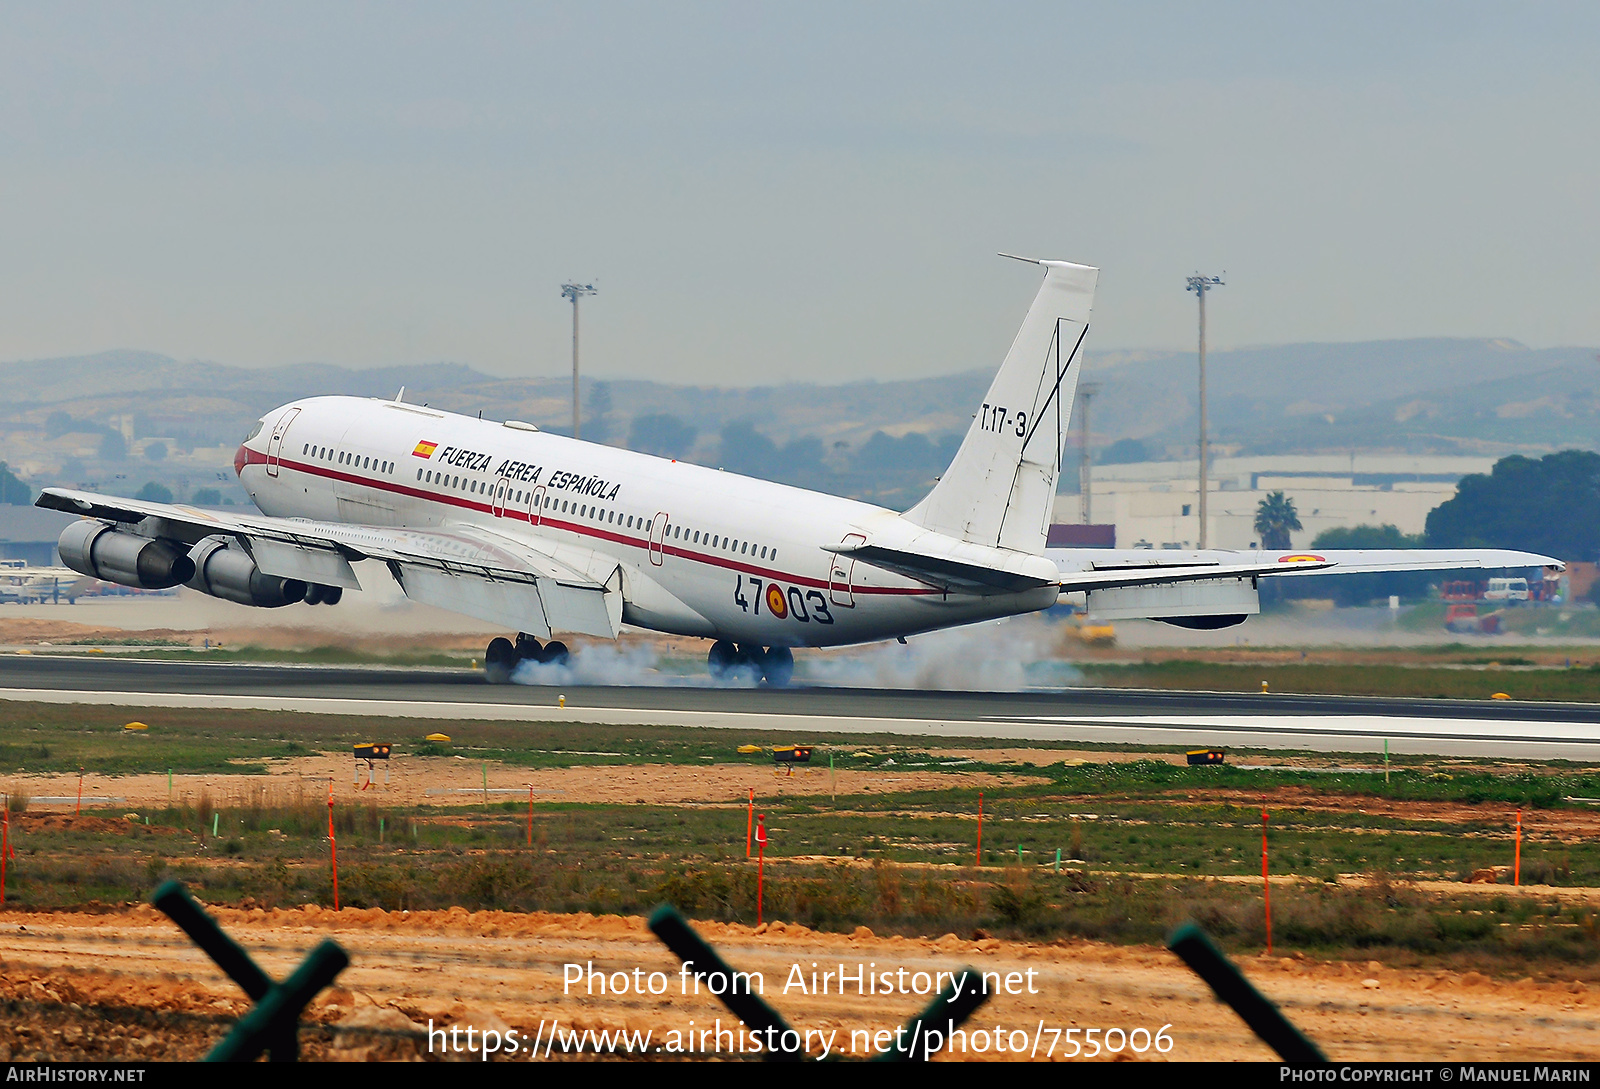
column 1101, row 715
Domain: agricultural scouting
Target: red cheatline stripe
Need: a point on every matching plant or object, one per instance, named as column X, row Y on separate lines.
column 253, row 457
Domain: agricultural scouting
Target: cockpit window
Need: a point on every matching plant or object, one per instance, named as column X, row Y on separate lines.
column 256, row 430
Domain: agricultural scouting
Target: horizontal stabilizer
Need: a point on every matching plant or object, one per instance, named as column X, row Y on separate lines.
column 946, row 571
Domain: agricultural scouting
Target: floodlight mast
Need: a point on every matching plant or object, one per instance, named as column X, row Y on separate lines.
column 1086, row 392
column 1200, row 285
column 575, row 292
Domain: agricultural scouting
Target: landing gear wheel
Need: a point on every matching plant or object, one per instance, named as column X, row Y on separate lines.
column 499, row 661
column 777, row 666
column 556, row 653
column 332, row 594
column 749, row 665
column 722, row 659
column 528, row 648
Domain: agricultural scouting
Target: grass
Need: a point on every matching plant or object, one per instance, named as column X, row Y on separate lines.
column 1146, row 844
column 627, row 859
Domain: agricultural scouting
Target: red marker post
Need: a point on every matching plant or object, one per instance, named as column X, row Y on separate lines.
column 79, row 807
column 5, row 843
column 530, row 814
column 749, row 821
column 1516, row 876
column 761, row 860
column 333, row 848
column 1266, row 887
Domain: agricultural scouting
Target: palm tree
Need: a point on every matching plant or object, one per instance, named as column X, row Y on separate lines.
column 1275, row 519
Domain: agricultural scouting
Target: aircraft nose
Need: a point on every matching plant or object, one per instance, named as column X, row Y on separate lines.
column 239, row 460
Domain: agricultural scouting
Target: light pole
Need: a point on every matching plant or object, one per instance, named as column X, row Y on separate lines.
column 1200, row 285
column 575, row 292
column 1086, row 390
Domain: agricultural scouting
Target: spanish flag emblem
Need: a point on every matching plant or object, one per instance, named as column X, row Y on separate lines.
column 425, row 449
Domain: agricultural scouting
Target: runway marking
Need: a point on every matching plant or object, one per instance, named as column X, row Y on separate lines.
column 1325, row 733
column 1374, row 726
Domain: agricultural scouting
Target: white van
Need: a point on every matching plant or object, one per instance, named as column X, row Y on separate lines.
column 1507, row 590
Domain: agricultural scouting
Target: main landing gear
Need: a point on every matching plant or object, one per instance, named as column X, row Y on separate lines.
column 500, row 661
column 729, row 662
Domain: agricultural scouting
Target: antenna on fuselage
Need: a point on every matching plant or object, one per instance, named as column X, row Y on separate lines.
column 400, row 397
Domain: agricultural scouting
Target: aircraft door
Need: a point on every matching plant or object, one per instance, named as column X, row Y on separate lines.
column 275, row 444
column 536, row 506
column 497, row 499
column 658, row 532
column 841, row 573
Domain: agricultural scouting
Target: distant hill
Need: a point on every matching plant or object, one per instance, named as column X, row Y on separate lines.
column 1415, row 396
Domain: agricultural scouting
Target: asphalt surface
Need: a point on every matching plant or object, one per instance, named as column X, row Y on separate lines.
column 1132, row 716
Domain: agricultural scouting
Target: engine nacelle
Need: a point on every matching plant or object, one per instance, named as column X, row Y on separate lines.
column 1205, row 604
column 101, row 551
column 229, row 573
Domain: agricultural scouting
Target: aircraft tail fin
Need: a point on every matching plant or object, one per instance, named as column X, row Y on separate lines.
column 1000, row 486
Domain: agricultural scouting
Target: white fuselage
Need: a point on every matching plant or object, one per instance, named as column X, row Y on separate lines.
column 702, row 552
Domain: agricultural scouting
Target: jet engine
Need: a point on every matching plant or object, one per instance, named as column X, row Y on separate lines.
column 229, row 573
column 96, row 549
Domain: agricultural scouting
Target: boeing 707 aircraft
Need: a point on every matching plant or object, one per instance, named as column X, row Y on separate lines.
column 546, row 535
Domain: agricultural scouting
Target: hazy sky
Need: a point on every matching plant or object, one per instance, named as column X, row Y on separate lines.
column 798, row 191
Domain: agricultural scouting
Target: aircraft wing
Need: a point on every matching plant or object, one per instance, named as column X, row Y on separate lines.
column 1164, row 574
column 1085, row 568
column 466, row 569
column 1372, row 561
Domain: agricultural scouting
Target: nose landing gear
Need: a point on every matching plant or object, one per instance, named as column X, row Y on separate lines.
column 500, row 661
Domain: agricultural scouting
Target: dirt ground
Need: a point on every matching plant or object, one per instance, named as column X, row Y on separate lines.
column 448, row 780
column 128, row 985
